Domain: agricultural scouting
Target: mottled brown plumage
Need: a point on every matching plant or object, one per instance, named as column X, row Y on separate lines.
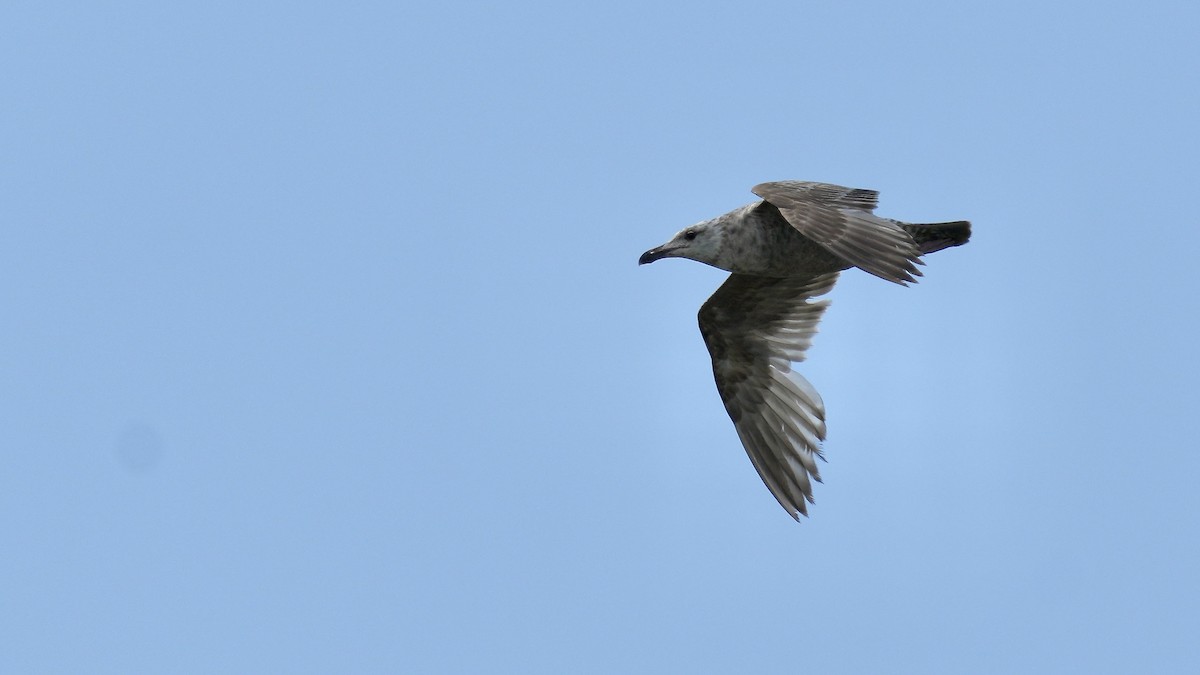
column 783, row 252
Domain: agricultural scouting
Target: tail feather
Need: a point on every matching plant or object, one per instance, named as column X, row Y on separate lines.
column 932, row 237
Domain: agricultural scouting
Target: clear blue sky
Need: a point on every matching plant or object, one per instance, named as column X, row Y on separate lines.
column 325, row 348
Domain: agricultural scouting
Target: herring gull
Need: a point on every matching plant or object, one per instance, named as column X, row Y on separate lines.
column 783, row 252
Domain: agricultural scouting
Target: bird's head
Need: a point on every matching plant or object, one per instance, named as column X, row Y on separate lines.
column 700, row 242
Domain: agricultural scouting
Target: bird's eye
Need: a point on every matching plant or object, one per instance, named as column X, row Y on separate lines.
column 689, row 235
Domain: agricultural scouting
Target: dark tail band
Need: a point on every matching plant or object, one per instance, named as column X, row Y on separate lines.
column 932, row 237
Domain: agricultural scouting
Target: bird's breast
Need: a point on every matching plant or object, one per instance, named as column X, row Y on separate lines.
column 767, row 245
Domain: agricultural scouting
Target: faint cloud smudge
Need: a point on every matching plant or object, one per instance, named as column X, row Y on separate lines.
column 139, row 447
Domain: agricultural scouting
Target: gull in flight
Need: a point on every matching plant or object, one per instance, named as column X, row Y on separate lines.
column 783, row 252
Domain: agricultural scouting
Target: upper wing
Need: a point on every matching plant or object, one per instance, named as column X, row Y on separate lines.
column 840, row 219
column 826, row 193
column 755, row 327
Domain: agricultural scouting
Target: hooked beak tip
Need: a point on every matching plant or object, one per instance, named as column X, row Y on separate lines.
column 650, row 256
